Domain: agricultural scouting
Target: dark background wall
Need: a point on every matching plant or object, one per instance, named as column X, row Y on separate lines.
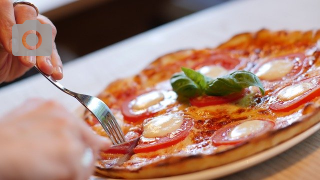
column 111, row 21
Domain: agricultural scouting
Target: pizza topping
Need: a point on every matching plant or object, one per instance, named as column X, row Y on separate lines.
column 202, row 101
column 245, row 129
column 222, row 60
column 293, row 91
column 148, row 144
column 233, row 83
column 138, row 108
column 191, row 83
column 162, row 125
column 275, row 69
column 187, row 87
column 124, row 148
column 213, row 71
column 296, row 94
column 241, row 131
column 144, row 101
column 280, row 67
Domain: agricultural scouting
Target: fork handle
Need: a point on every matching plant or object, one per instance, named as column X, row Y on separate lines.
column 54, row 82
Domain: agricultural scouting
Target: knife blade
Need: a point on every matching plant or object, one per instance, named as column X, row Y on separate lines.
column 126, row 151
column 131, row 146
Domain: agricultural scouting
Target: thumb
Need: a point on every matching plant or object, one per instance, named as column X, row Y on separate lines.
column 6, row 22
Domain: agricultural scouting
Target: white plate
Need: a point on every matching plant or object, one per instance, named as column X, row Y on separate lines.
column 244, row 163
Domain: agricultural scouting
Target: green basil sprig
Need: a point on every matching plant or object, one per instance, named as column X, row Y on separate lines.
column 233, row 83
column 184, row 86
column 190, row 83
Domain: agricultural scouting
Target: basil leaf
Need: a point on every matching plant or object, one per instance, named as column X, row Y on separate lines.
column 184, row 86
column 246, row 79
column 222, row 86
column 191, row 83
column 196, row 77
column 233, row 83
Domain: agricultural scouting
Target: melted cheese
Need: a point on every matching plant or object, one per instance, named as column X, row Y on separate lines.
column 213, row 71
column 293, row 91
column 275, row 69
column 162, row 125
column 246, row 128
column 146, row 100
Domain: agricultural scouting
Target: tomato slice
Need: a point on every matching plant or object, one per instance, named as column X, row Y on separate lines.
column 306, row 90
column 297, row 58
column 205, row 100
column 223, row 60
column 169, row 97
column 153, row 144
column 124, row 148
column 240, row 131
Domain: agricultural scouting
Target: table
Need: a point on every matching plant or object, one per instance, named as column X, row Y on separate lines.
column 208, row 28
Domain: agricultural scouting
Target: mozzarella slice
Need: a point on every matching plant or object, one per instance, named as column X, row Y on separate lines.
column 146, row 100
column 213, row 71
column 246, row 128
column 274, row 70
column 293, row 91
column 162, row 125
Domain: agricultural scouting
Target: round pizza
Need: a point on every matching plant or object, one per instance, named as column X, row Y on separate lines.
column 193, row 110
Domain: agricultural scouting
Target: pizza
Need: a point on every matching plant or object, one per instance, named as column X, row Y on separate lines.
column 197, row 109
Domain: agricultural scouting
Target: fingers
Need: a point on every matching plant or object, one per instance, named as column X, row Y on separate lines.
column 85, row 139
column 104, row 142
column 80, row 127
column 44, row 63
column 95, row 141
column 25, row 107
column 4, row 65
column 82, row 161
column 57, row 72
column 23, row 12
column 61, row 140
column 57, row 64
column 85, row 163
column 50, row 65
column 6, row 23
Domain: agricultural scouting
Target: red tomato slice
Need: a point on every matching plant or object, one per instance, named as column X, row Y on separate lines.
column 129, row 115
column 230, row 134
column 138, row 116
column 305, row 97
column 297, row 59
column 202, row 101
column 124, row 148
column 223, row 60
column 153, row 144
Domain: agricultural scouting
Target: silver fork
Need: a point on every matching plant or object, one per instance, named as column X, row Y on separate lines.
column 98, row 108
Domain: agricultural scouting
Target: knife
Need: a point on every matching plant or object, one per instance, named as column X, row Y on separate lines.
column 126, row 149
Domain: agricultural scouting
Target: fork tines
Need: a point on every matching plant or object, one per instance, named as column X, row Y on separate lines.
column 116, row 134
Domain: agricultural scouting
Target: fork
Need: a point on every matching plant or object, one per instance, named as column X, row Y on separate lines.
column 98, row 108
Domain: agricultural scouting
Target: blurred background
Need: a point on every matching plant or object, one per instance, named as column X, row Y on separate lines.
column 85, row 26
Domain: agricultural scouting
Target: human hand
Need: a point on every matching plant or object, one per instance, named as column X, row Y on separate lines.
column 12, row 67
column 41, row 140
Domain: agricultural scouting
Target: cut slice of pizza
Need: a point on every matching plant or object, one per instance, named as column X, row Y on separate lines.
column 195, row 119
